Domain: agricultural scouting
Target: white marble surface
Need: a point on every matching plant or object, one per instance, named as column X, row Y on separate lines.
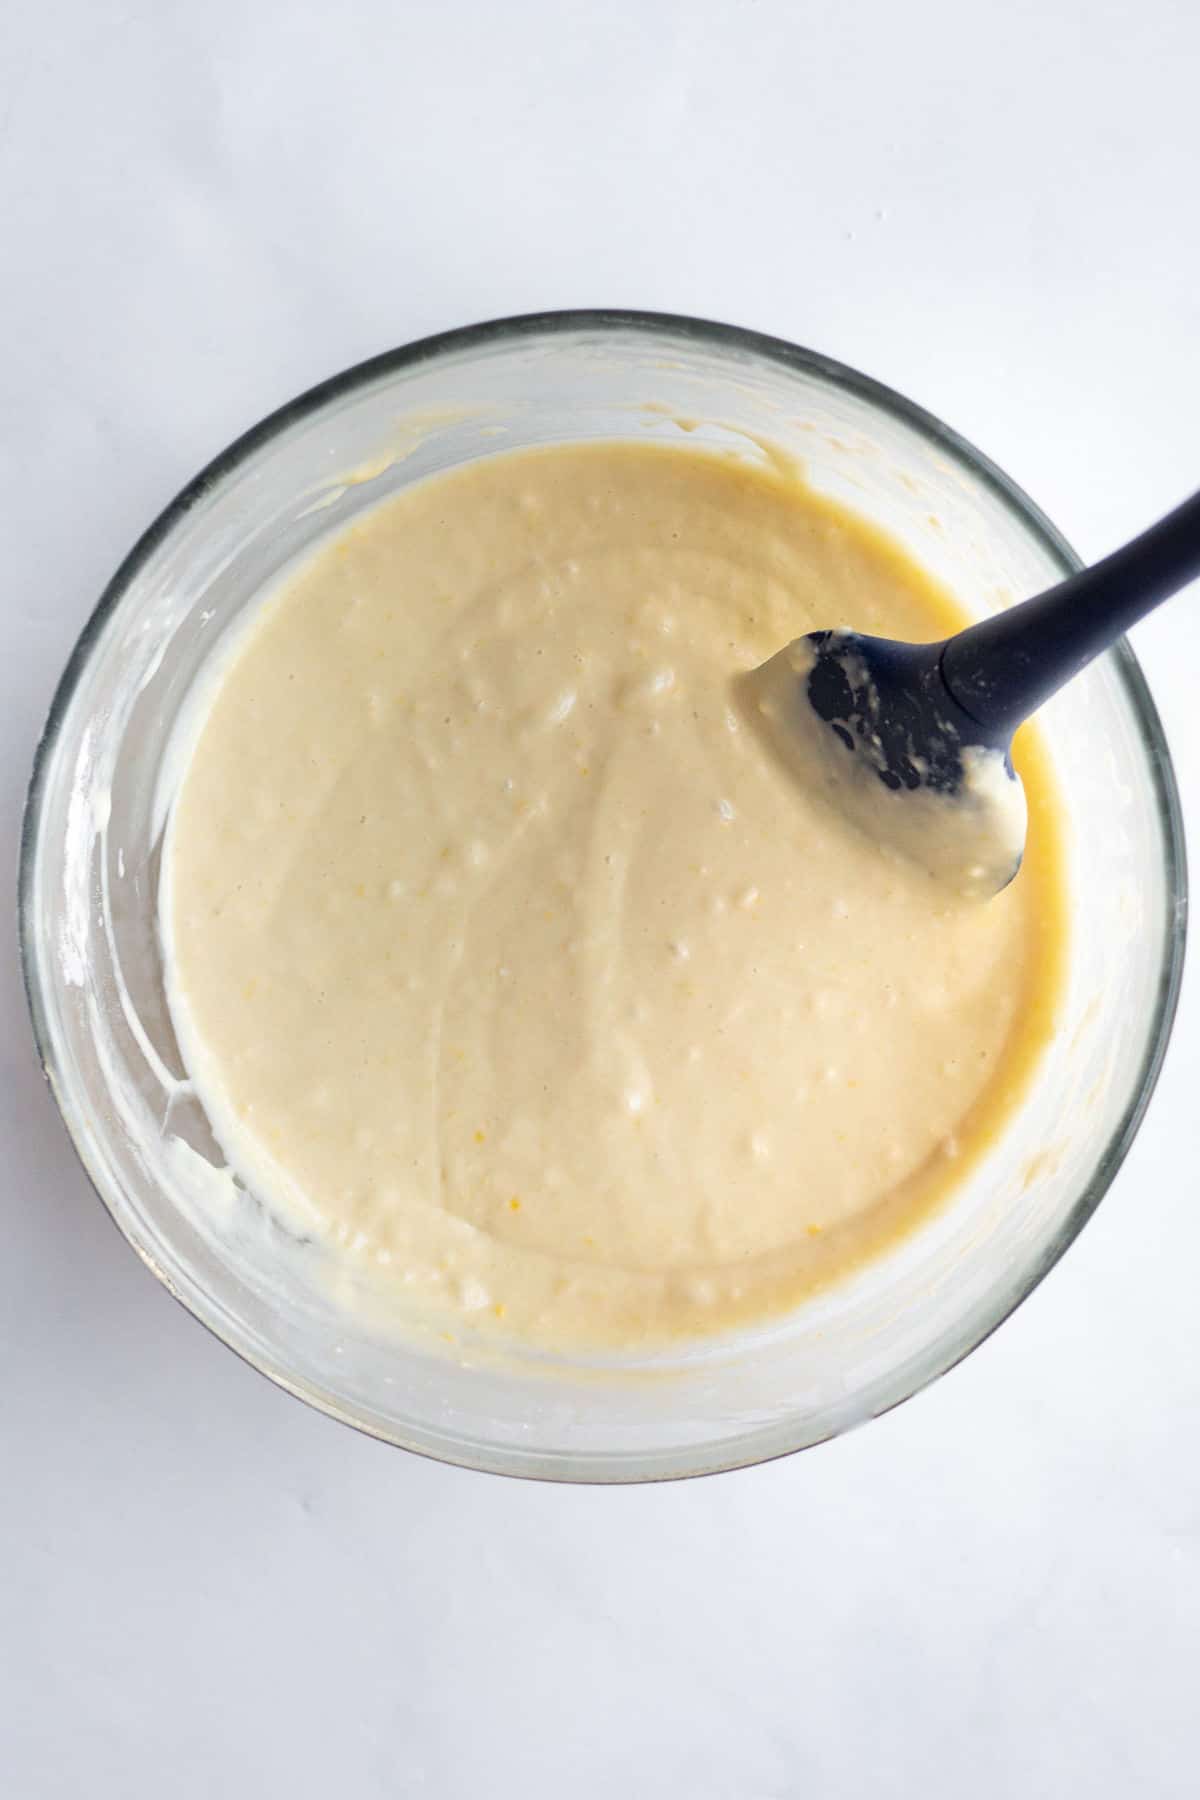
column 207, row 1589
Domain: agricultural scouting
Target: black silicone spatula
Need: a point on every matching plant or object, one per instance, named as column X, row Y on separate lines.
column 914, row 741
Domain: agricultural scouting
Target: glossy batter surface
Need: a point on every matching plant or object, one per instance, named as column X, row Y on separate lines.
column 508, row 958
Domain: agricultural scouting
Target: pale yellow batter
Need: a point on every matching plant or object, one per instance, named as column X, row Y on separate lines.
column 507, row 956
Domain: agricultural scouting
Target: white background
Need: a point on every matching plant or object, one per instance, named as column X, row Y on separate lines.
column 206, row 1589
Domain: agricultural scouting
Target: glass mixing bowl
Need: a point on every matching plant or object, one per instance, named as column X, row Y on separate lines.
column 90, row 867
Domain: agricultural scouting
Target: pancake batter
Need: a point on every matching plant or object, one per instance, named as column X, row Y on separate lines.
column 510, row 962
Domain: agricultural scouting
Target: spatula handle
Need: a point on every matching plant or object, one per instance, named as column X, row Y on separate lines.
column 1002, row 669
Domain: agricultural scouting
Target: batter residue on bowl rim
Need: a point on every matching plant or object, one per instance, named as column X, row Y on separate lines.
column 507, row 958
